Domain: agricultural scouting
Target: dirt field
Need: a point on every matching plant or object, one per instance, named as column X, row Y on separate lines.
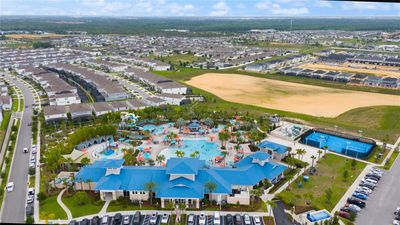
column 357, row 68
column 34, row 36
column 300, row 98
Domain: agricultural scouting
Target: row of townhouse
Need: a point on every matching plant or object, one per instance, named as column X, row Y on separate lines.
column 99, row 85
column 150, row 63
column 5, row 98
column 84, row 111
column 58, row 90
column 11, row 58
column 156, row 82
column 372, row 59
column 279, row 63
column 351, row 78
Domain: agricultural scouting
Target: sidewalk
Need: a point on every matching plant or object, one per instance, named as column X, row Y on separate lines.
column 63, row 206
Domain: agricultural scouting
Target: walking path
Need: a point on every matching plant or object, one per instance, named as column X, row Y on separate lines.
column 63, row 206
column 103, row 210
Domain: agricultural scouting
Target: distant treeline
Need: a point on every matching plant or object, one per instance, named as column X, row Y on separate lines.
column 103, row 25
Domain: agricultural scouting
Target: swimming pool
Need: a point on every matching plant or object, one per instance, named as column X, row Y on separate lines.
column 208, row 150
column 337, row 144
column 156, row 129
column 318, row 216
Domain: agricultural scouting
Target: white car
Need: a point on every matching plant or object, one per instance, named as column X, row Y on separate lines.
column 153, row 218
column 33, row 149
column 217, row 218
column 126, row 220
column 257, row 220
column 356, row 208
column 370, row 181
column 164, row 218
column 31, row 191
column 10, row 186
column 29, row 199
column 33, row 159
column 247, row 220
column 396, row 222
column 364, row 189
column 25, row 150
column 202, row 219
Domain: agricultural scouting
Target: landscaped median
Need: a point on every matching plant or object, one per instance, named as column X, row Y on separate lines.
column 334, row 175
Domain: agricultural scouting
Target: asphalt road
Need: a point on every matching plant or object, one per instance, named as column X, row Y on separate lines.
column 384, row 200
column 14, row 202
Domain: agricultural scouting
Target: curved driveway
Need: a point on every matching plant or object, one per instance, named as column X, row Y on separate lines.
column 14, row 203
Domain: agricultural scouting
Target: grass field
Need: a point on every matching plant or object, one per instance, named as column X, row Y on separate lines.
column 50, row 205
column 329, row 175
column 299, row 98
column 91, row 207
column 177, row 59
column 34, row 36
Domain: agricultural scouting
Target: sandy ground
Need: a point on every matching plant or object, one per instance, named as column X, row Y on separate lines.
column 300, row 98
column 357, row 68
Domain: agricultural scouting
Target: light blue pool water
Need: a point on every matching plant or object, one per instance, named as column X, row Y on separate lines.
column 156, row 129
column 338, row 144
column 318, row 216
column 208, row 150
column 108, row 152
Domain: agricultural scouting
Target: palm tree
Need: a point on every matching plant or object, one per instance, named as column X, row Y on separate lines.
column 150, row 186
column 289, row 150
column 89, row 183
column 325, row 149
column 160, row 158
column 195, row 154
column 319, row 154
column 180, row 153
column 299, row 152
column 210, row 186
column 255, row 193
column 272, row 205
column 312, row 160
column 302, row 153
column 180, row 123
column 209, row 122
column 223, row 137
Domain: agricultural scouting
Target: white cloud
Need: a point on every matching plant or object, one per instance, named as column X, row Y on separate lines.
column 220, row 9
column 365, row 6
column 323, row 4
column 277, row 10
column 264, row 4
column 181, row 9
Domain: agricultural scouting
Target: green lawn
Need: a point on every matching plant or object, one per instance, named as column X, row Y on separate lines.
column 50, row 205
column 391, row 160
column 329, row 175
column 92, row 207
column 116, row 206
column 14, row 105
column 177, row 59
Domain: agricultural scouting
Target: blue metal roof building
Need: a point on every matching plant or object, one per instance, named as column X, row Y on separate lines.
column 182, row 178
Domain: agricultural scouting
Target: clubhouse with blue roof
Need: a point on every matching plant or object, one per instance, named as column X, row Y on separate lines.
column 182, row 180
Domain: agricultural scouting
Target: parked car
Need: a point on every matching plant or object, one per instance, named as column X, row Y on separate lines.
column 396, row 222
column 29, row 199
column 360, row 196
column 356, row 202
column 126, row 220
column 364, row 189
column 117, row 219
column 372, row 178
column 136, row 218
column 10, row 186
column 84, row 222
column 238, row 219
column 190, row 220
column 344, row 214
column 104, row 220
column 376, row 176
column 153, row 218
column 31, row 191
column 229, row 219
column 354, row 208
column 33, row 149
column 370, row 181
column 247, row 220
column 164, row 218
column 73, row 222
column 217, row 218
column 202, row 219
column 362, row 192
column 257, row 220
column 368, row 185
column 95, row 221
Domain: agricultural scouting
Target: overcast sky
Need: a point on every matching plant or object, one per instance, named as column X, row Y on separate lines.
column 228, row 8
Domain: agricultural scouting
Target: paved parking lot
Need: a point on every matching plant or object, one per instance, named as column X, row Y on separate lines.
column 383, row 201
